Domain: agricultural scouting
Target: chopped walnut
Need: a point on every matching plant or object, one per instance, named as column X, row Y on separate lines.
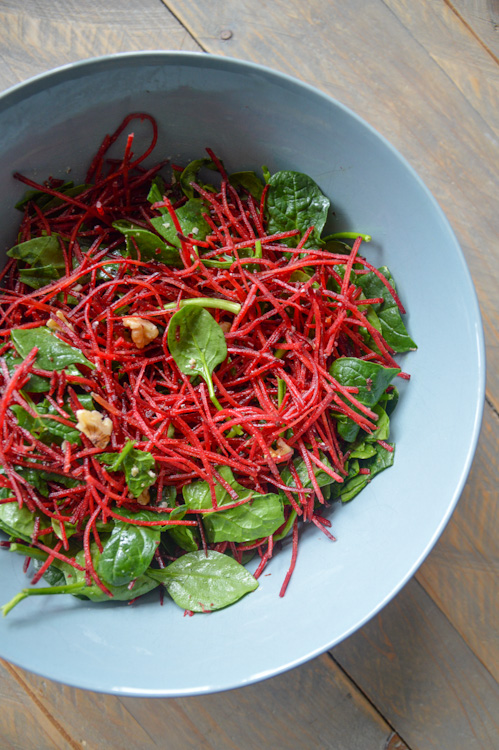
column 143, row 331
column 144, row 497
column 97, row 428
column 282, row 451
column 54, row 325
column 225, row 325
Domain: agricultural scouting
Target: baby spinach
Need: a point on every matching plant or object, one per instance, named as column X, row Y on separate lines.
column 392, row 326
column 138, row 465
column 197, row 344
column 151, row 246
column 130, row 549
column 185, row 536
column 44, row 255
column 260, row 517
column 50, row 430
column 355, row 482
column 370, row 378
column 322, row 478
column 249, row 181
column 18, row 522
column 190, row 217
column 190, row 174
column 205, row 581
column 53, row 353
column 295, row 201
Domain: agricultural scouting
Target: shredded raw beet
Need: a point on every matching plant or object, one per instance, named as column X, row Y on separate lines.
column 288, row 306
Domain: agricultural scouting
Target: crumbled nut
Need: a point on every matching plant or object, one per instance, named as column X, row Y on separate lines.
column 134, row 471
column 225, row 325
column 55, row 326
column 283, row 450
column 143, row 331
column 144, row 497
column 97, row 428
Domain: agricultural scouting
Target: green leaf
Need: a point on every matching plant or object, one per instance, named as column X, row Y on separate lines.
column 370, row 378
column 157, row 191
column 40, row 251
column 49, row 430
column 138, row 465
column 190, row 174
column 321, row 476
column 185, row 536
column 53, row 354
column 260, row 517
column 295, row 201
column 129, row 550
column 355, row 482
column 151, row 246
column 249, row 181
column 203, row 582
column 18, row 522
column 190, row 217
column 196, row 343
column 392, row 326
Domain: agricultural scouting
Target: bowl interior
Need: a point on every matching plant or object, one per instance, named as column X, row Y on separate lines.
column 251, row 116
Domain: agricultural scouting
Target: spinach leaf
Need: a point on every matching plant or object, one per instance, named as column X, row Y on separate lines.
column 197, row 344
column 150, row 245
column 370, row 378
column 49, row 430
column 295, row 201
column 392, row 326
column 382, row 459
column 139, row 466
column 190, row 174
column 39, row 479
column 184, row 536
column 18, row 522
column 40, row 251
column 36, row 383
column 322, row 478
column 190, row 217
column 260, row 517
column 129, row 550
column 157, row 191
column 53, row 354
column 44, row 255
column 203, row 582
column 249, row 181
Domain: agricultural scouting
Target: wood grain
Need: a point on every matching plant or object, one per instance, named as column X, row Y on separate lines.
column 482, row 17
column 364, row 55
column 315, row 707
column 423, row 677
column 48, row 34
column 462, row 572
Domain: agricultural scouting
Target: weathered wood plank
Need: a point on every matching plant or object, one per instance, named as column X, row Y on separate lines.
column 364, row 55
column 423, row 677
column 482, row 17
column 315, row 706
column 39, row 35
column 24, row 722
column 462, row 572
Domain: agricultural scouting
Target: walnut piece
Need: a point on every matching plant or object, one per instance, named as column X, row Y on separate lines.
column 55, row 326
column 97, row 428
column 282, row 451
column 144, row 497
column 142, row 331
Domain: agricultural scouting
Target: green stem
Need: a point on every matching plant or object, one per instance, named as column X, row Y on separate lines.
column 70, row 588
column 281, row 390
column 348, row 236
column 221, row 304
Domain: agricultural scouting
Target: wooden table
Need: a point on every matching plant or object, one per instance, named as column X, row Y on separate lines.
column 423, row 673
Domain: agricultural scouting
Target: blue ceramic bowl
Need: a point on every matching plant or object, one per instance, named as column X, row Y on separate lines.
column 252, row 116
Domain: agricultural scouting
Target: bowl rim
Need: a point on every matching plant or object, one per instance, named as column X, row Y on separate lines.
column 37, row 83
